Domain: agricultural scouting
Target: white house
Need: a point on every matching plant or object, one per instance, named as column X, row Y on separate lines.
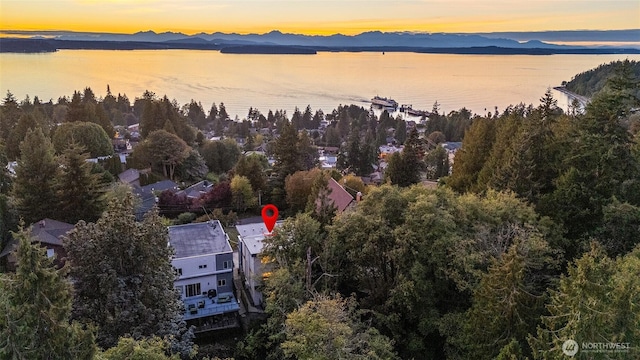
column 251, row 266
column 204, row 262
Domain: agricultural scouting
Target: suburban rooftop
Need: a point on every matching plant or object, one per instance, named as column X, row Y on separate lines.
column 253, row 234
column 198, row 239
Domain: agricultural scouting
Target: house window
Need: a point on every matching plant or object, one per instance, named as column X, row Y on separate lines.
column 50, row 253
column 225, row 264
column 222, row 282
column 179, row 271
column 203, row 266
column 193, row 289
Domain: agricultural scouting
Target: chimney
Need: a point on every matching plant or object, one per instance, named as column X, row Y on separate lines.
column 43, row 223
column 358, row 197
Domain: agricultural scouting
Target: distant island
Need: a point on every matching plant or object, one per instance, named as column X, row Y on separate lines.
column 276, row 42
column 13, row 45
column 268, row 49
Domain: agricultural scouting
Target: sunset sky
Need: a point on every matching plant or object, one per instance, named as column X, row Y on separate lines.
column 317, row 16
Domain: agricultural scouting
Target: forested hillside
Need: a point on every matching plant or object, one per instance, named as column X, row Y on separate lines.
column 592, row 81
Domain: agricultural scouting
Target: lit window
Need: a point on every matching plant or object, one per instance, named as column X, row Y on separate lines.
column 50, row 253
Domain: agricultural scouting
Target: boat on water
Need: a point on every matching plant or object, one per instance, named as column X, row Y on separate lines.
column 409, row 110
column 384, row 103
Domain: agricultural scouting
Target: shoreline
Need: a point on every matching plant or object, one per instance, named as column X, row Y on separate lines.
column 583, row 100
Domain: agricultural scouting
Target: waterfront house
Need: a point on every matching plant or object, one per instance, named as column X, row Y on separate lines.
column 203, row 261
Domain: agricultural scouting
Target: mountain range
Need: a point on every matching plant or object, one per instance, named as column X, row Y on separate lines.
column 521, row 40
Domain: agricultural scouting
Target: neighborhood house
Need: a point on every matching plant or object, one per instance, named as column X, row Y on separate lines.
column 251, row 265
column 203, row 261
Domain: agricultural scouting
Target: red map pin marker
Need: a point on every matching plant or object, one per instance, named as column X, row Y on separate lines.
column 270, row 216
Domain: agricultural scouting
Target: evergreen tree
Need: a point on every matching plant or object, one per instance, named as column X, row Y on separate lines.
column 401, row 131
column 8, row 218
column 598, row 165
column 252, row 167
column 476, row 147
column 35, row 303
column 213, row 114
column 317, row 118
column 531, row 162
column 353, row 157
column 437, row 163
column 9, row 115
column 222, row 113
column 124, row 278
column 405, row 169
column 76, row 109
column 193, row 168
column 307, row 118
column 150, row 118
column 296, row 119
column 287, row 153
column 195, row 113
column 78, row 189
column 101, row 118
column 508, row 301
column 596, row 302
column 33, row 188
column 26, row 122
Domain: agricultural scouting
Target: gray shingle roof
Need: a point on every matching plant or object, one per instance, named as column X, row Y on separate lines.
column 198, row 239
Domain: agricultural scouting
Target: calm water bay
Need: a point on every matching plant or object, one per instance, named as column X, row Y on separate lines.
column 324, row 81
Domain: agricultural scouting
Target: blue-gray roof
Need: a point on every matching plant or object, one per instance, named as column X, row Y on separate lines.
column 198, row 239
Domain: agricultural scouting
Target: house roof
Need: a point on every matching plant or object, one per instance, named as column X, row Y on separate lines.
column 198, row 239
column 45, row 231
column 128, row 176
column 147, row 196
column 197, row 189
column 451, row 146
column 253, row 235
column 160, row 186
column 339, row 196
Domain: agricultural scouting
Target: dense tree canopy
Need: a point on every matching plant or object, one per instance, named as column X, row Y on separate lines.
column 220, row 156
column 34, row 185
column 79, row 191
column 595, row 303
column 325, row 328
column 89, row 135
column 592, row 81
column 162, row 150
column 35, row 303
column 124, row 278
